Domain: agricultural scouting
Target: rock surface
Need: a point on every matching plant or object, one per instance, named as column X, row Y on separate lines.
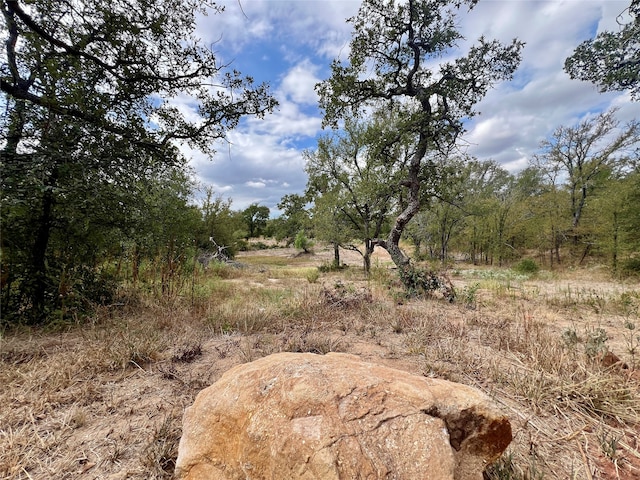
column 306, row 416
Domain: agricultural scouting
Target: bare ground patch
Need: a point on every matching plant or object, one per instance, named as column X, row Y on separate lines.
column 105, row 399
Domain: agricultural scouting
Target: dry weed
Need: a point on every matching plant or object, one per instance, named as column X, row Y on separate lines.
column 106, row 398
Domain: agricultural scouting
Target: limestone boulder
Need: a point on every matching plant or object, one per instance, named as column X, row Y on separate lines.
column 305, row 416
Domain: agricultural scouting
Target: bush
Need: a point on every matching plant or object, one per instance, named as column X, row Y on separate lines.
column 418, row 281
column 241, row 245
column 527, row 267
column 332, row 267
column 313, row 275
column 302, row 242
column 631, row 267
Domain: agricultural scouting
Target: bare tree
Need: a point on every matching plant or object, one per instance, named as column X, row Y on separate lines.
column 579, row 155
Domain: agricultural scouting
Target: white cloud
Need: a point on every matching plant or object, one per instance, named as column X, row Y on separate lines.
column 316, row 24
column 299, row 82
column 517, row 116
column 263, row 160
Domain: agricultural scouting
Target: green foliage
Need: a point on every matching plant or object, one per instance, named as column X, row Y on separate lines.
column 220, row 224
column 506, row 468
column 259, row 246
column 586, row 154
column 353, row 186
column 302, row 242
column 526, row 266
column 494, row 217
column 222, row 270
column 476, row 211
column 255, row 218
column 294, row 218
column 631, row 267
column 610, row 60
column 88, row 179
column 331, row 267
column 500, row 275
column 468, row 296
column 313, row 275
column 395, row 68
column 419, row 281
column 596, row 343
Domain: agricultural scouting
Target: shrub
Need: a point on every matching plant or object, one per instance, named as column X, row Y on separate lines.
column 331, row 267
column 259, row 246
column 469, row 296
column 419, row 281
column 302, row 242
column 313, row 275
column 527, row 267
column 631, row 267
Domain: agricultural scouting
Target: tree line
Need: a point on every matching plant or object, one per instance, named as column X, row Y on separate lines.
column 577, row 199
column 90, row 137
column 94, row 188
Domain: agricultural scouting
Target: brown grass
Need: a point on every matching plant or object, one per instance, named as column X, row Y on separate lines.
column 105, row 399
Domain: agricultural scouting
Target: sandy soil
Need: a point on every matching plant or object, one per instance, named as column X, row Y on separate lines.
column 105, row 401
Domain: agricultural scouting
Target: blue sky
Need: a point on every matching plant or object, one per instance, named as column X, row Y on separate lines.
column 291, row 43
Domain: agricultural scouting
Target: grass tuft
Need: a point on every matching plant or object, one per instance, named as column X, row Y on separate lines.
column 105, row 398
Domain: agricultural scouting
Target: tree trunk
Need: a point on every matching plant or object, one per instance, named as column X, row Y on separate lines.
column 369, row 246
column 587, row 248
column 473, row 246
column 336, row 255
column 392, row 242
column 135, row 264
column 614, row 253
column 39, row 249
column 366, row 258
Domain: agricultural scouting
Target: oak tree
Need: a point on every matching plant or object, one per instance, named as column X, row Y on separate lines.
column 354, row 181
column 611, row 60
column 581, row 154
column 89, row 87
column 255, row 219
column 397, row 61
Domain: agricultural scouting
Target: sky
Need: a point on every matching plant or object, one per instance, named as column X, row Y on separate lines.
column 290, row 44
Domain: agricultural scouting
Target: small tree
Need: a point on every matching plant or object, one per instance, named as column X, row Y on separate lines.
column 352, row 180
column 294, row 218
column 220, row 224
column 394, row 64
column 255, row 218
column 302, row 242
column 331, row 225
column 582, row 157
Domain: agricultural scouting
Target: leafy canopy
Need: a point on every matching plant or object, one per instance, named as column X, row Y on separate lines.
column 611, row 60
column 89, row 144
column 397, row 62
column 117, row 64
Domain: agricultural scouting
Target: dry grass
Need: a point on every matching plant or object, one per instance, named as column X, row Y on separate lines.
column 105, row 399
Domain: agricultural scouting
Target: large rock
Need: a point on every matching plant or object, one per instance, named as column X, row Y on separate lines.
column 305, row 416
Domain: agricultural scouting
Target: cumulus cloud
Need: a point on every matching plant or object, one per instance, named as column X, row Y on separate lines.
column 291, row 43
column 318, row 25
column 299, row 82
column 517, row 116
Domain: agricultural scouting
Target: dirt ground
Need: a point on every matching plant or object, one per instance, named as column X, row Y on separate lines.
column 105, row 400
